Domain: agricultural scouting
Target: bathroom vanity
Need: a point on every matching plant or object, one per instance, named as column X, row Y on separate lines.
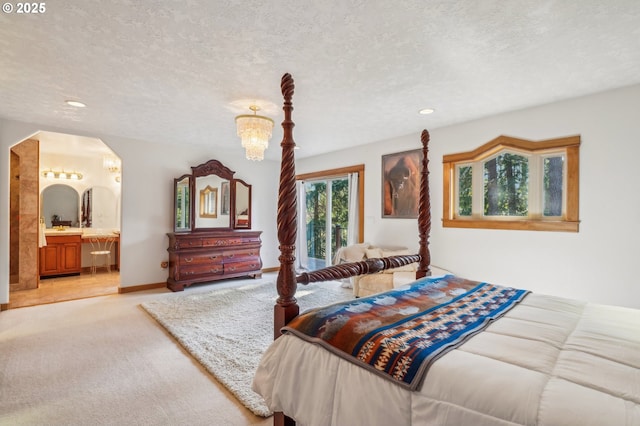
column 62, row 255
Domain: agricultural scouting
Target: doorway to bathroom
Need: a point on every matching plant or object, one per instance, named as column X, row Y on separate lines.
column 64, row 190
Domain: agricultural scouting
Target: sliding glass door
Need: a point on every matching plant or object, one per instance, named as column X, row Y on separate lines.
column 327, row 219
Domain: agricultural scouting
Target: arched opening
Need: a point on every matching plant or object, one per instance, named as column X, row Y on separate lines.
column 73, row 194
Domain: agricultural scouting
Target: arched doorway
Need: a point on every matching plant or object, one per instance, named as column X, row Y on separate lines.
column 66, row 164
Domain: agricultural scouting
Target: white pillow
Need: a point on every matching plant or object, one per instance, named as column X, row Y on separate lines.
column 354, row 252
column 373, row 252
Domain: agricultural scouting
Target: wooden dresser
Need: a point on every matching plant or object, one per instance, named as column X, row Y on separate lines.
column 204, row 256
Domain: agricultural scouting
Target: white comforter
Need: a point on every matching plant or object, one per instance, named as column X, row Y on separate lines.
column 549, row 361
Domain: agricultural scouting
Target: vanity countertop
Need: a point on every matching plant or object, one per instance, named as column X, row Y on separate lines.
column 84, row 232
column 100, row 235
column 66, row 231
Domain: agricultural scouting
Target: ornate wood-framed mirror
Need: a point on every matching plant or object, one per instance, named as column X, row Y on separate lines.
column 215, row 175
column 210, row 198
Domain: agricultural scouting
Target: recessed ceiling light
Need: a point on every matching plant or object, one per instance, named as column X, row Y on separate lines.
column 76, row 104
column 426, row 111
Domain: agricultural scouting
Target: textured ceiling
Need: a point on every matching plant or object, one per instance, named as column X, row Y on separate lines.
column 179, row 71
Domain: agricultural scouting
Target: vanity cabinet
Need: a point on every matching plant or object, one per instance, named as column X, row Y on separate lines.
column 204, row 256
column 61, row 256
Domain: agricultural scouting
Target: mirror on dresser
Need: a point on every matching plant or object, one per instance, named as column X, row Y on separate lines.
column 182, row 203
column 212, row 221
column 242, row 204
column 211, row 202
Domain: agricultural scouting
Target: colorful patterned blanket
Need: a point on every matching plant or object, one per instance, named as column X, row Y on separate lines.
column 400, row 333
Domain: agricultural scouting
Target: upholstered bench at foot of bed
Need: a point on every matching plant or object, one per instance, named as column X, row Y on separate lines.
column 366, row 285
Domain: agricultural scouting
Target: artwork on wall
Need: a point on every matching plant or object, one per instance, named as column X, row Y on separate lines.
column 401, row 184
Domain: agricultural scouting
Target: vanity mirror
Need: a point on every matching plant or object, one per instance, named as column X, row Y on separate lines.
column 99, row 208
column 59, row 205
column 96, row 207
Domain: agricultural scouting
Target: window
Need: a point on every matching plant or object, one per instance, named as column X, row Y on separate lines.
column 512, row 183
column 327, row 216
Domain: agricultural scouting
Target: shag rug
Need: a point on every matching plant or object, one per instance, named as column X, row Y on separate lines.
column 228, row 330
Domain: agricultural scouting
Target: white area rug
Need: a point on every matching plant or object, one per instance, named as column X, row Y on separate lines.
column 228, row 330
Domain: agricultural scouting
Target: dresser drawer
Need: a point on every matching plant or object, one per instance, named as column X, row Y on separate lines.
column 221, row 242
column 241, row 254
column 194, row 271
column 189, row 243
column 244, row 266
column 198, row 259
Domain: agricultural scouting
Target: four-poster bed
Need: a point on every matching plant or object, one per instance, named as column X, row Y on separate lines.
column 546, row 361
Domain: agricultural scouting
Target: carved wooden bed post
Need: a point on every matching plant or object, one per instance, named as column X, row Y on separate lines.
column 286, row 307
column 424, row 211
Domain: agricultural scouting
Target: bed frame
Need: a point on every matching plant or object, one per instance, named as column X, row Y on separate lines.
column 286, row 307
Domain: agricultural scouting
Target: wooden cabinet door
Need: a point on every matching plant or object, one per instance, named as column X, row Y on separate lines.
column 70, row 258
column 49, row 260
column 61, row 255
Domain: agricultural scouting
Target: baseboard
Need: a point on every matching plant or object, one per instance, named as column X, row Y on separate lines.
column 143, row 287
column 164, row 284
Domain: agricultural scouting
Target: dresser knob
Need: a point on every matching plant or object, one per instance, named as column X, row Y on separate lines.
column 188, row 259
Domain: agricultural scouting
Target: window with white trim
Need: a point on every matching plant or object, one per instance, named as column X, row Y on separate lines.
column 512, row 183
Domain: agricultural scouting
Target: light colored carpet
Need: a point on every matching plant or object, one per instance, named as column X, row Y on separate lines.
column 105, row 361
column 228, row 330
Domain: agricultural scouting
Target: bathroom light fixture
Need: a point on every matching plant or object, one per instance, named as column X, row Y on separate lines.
column 76, row 104
column 111, row 163
column 54, row 174
column 255, row 132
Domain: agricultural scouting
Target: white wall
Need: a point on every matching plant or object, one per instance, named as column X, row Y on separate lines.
column 148, row 170
column 596, row 264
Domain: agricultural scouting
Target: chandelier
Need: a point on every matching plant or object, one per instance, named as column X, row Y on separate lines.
column 255, row 132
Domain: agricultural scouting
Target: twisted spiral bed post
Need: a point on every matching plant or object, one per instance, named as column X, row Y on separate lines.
column 424, row 211
column 286, row 307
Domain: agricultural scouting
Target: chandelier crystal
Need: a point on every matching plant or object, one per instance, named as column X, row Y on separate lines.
column 255, row 132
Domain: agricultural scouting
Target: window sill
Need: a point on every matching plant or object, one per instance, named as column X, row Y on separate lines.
column 523, row 225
